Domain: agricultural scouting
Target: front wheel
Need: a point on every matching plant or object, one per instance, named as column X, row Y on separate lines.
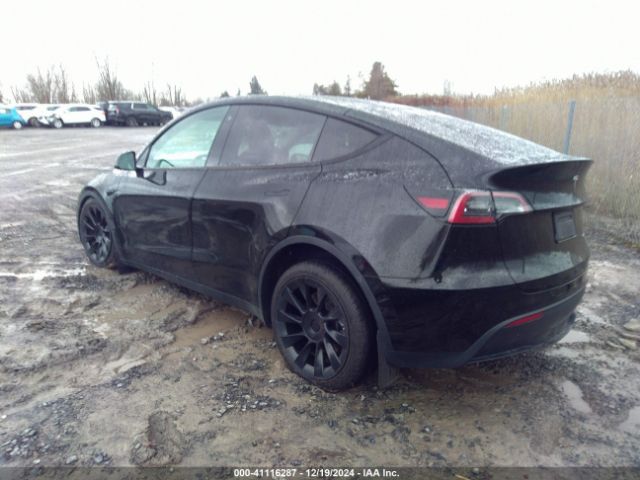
column 95, row 123
column 96, row 232
column 17, row 125
column 321, row 325
column 132, row 122
column 57, row 123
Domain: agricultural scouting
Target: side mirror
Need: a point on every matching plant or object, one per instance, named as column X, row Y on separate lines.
column 126, row 161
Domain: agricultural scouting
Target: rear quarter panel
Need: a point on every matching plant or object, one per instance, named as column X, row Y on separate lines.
column 363, row 201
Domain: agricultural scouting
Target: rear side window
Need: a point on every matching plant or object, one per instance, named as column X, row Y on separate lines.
column 341, row 138
column 140, row 106
column 263, row 135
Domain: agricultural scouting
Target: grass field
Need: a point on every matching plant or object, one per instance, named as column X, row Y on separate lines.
column 606, row 128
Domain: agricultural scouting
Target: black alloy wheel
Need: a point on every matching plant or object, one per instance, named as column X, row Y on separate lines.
column 96, row 234
column 321, row 325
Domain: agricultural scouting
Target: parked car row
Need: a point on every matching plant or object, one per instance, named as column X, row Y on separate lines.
column 129, row 113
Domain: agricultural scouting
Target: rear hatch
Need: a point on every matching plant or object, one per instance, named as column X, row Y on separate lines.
column 543, row 247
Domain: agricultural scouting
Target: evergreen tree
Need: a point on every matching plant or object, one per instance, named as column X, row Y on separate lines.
column 379, row 86
column 224, row 94
column 347, row 87
column 255, row 88
column 334, row 89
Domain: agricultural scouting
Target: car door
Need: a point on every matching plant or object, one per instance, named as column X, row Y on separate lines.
column 71, row 115
column 152, row 207
column 155, row 116
column 137, row 110
column 82, row 114
column 246, row 203
column 5, row 116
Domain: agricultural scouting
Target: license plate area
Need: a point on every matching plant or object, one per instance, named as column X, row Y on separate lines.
column 564, row 226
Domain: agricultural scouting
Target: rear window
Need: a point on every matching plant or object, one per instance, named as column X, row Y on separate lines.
column 341, row 138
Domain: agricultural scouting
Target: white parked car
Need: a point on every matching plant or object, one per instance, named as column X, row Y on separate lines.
column 45, row 113
column 75, row 114
column 31, row 112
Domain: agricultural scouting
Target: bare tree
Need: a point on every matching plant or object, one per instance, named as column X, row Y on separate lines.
column 109, row 87
column 41, row 86
column 173, row 96
column 89, row 94
column 149, row 93
column 64, row 91
column 20, row 95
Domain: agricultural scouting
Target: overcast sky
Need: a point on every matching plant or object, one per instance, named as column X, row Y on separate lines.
column 208, row 47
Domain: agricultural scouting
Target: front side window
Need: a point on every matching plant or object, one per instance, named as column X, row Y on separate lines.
column 341, row 138
column 187, row 143
column 264, row 135
column 140, row 106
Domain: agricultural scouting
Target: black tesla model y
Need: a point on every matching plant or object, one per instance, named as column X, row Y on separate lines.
column 353, row 228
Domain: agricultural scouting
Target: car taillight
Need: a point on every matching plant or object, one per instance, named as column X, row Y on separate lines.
column 483, row 207
column 510, row 202
column 473, row 208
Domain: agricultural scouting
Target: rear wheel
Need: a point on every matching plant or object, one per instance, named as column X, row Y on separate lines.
column 96, row 231
column 57, row 123
column 132, row 122
column 33, row 122
column 321, row 325
column 17, row 125
column 95, row 123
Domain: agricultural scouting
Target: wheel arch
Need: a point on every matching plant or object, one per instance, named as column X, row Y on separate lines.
column 296, row 248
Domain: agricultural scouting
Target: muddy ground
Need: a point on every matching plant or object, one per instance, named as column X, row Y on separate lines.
column 102, row 368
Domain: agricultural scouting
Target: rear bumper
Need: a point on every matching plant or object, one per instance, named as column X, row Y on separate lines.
column 501, row 339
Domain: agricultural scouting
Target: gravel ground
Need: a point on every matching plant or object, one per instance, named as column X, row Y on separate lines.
column 101, row 368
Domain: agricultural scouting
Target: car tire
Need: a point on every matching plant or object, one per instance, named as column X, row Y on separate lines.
column 132, row 122
column 16, row 125
column 322, row 325
column 97, row 234
column 57, row 123
column 96, row 123
column 33, row 122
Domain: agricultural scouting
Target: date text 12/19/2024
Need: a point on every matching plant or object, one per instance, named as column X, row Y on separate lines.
column 281, row 473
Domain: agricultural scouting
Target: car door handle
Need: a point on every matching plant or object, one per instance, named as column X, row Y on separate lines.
column 277, row 193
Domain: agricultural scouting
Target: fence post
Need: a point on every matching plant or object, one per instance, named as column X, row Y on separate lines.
column 567, row 135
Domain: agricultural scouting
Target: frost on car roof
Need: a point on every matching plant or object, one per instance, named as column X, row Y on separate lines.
column 489, row 142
